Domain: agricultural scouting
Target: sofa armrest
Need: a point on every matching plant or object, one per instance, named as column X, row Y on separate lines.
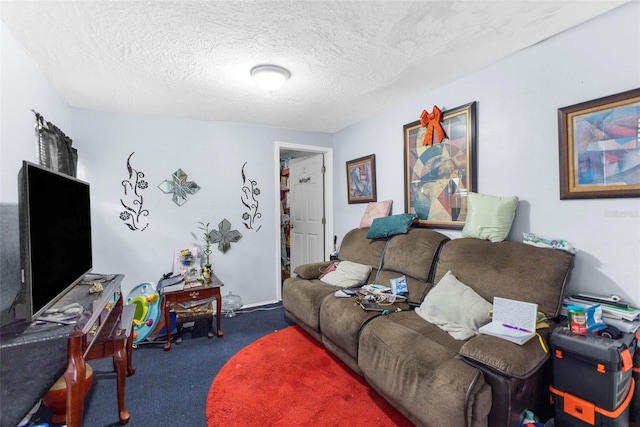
column 505, row 357
column 311, row 271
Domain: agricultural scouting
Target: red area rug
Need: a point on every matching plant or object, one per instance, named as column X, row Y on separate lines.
column 288, row 379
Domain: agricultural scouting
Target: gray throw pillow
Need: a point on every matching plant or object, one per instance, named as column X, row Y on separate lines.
column 347, row 275
column 455, row 308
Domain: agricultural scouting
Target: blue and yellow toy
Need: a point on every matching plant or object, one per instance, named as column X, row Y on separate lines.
column 148, row 311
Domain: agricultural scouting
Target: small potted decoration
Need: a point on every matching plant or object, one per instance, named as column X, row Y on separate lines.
column 206, row 270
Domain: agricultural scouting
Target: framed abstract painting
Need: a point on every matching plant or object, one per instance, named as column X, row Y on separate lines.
column 361, row 180
column 438, row 176
column 600, row 147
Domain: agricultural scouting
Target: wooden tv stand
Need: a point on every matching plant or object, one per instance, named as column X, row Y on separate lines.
column 104, row 331
column 35, row 355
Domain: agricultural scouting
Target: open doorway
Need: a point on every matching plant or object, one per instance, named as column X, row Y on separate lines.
column 285, row 150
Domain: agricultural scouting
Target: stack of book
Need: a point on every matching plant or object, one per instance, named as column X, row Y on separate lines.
column 615, row 312
column 171, row 284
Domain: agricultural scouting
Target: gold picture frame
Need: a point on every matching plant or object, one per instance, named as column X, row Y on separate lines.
column 439, row 176
column 599, row 145
column 361, row 180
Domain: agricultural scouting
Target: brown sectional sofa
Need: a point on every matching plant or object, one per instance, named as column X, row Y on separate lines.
column 430, row 377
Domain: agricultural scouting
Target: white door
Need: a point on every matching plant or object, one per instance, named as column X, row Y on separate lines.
column 306, row 209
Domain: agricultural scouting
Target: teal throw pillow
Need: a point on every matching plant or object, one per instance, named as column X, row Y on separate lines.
column 390, row 226
column 489, row 217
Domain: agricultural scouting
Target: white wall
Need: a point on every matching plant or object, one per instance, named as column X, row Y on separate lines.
column 22, row 88
column 518, row 99
column 212, row 154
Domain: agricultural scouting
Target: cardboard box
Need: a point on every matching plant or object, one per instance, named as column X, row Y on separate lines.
column 593, row 368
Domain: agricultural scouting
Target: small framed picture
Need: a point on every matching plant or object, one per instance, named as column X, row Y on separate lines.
column 361, row 180
column 600, row 147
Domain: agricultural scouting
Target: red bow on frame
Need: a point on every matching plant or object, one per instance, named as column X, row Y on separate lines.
column 432, row 123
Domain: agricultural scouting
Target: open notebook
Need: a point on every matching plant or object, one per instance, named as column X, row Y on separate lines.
column 512, row 320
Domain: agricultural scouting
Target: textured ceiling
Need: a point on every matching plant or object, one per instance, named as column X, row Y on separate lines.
column 348, row 59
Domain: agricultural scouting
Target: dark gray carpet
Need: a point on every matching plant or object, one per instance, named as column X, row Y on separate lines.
column 170, row 388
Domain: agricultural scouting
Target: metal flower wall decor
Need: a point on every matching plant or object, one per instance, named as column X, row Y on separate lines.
column 250, row 193
column 224, row 236
column 133, row 210
column 179, row 186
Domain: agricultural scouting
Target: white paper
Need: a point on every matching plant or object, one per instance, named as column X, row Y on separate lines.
column 515, row 313
column 508, row 316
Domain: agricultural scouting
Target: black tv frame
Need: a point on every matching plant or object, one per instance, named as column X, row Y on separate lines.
column 24, row 303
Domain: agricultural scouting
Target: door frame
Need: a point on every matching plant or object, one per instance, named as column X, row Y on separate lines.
column 327, row 152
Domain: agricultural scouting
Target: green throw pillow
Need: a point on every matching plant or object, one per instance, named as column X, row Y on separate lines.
column 489, row 217
column 390, row 226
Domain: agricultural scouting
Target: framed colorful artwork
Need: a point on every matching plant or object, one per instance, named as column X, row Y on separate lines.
column 361, row 180
column 439, row 176
column 600, row 147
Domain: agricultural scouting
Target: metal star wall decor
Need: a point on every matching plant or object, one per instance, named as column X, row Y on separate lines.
column 224, row 236
column 179, row 186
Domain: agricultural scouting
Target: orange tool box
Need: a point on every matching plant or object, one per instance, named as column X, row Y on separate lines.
column 593, row 368
column 634, row 413
column 572, row 411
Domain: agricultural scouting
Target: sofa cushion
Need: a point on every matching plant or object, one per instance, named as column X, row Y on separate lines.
column 303, row 298
column 455, row 308
column 503, row 356
column 347, row 274
column 508, row 269
column 357, row 248
column 489, row 217
column 390, row 226
column 416, row 367
column 375, row 210
column 414, row 253
column 341, row 322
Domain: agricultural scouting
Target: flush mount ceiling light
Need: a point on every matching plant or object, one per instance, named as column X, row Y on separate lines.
column 270, row 77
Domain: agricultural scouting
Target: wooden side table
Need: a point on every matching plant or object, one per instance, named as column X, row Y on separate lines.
column 202, row 292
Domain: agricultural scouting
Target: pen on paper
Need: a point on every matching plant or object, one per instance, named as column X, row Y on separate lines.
column 517, row 328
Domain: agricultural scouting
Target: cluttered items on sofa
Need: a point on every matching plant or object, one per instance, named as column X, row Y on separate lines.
column 399, row 285
column 493, row 379
column 345, row 293
column 547, row 242
column 371, row 306
column 376, row 297
column 380, row 293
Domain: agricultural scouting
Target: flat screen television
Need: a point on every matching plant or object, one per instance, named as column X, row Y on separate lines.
column 55, row 237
